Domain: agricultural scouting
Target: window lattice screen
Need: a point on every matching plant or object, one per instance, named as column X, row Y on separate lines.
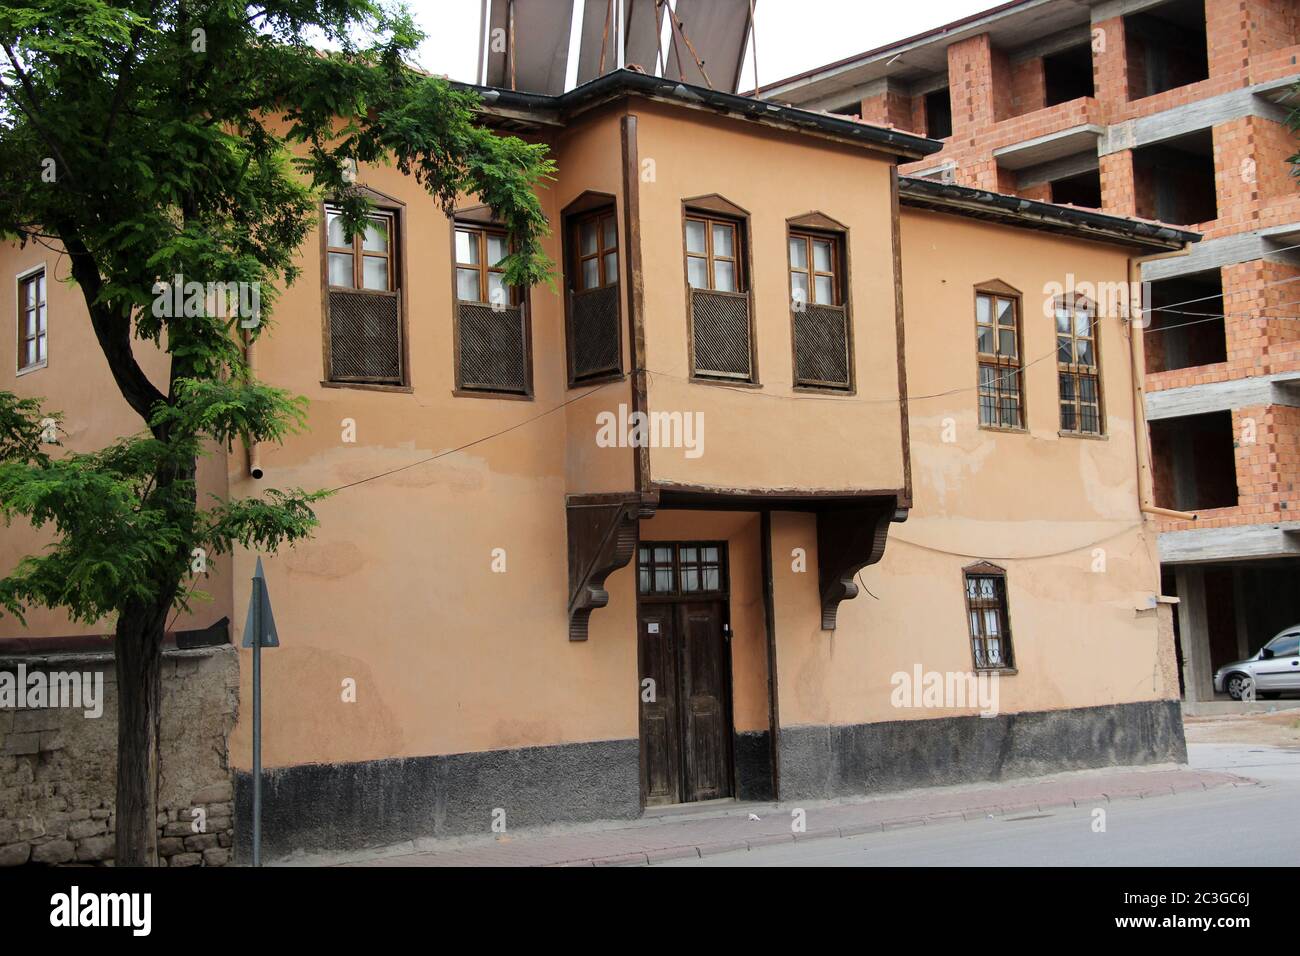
column 492, row 350
column 721, row 333
column 365, row 337
column 821, row 346
column 595, row 332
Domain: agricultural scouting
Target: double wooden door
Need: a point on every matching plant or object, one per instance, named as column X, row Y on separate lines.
column 685, row 701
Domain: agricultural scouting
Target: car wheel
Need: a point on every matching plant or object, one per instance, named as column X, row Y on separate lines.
column 1235, row 685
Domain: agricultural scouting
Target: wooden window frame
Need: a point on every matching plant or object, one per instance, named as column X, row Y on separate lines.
column 836, row 275
column 482, row 232
column 359, row 253
column 676, row 593
column 21, row 281
column 715, row 208
column 985, row 569
column 816, row 225
column 1006, row 367
column 589, row 205
column 599, row 217
column 1077, row 371
column 383, row 204
column 480, row 218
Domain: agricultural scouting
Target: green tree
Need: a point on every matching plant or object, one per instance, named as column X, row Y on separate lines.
column 153, row 138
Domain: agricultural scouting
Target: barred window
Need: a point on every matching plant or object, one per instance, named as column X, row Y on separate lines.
column 1078, row 368
column 721, row 333
column 31, row 320
column 818, row 310
column 594, row 335
column 492, row 348
column 988, row 615
column 997, row 337
column 363, row 300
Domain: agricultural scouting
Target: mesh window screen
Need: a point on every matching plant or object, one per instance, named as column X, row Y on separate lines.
column 721, row 333
column 595, row 332
column 493, row 356
column 821, row 346
column 365, row 337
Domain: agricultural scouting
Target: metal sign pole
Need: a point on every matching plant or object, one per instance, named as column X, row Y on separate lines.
column 257, row 721
column 259, row 632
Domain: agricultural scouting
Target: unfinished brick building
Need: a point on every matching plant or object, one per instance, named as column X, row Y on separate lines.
column 1163, row 109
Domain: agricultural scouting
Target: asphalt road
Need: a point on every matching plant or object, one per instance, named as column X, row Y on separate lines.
column 1230, row 826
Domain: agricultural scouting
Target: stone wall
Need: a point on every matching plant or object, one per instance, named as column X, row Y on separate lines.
column 58, row 766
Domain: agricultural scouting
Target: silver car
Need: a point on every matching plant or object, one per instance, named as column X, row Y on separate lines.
column 1275, row 668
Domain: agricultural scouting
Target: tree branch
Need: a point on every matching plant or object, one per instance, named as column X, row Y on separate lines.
column 112, row 331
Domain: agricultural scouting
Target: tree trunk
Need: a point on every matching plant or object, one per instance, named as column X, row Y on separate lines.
column 138, row 656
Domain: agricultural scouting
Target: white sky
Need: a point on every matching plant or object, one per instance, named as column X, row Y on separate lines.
column 793, row 35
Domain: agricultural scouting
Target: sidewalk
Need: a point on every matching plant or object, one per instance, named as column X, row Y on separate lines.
column 725, row 827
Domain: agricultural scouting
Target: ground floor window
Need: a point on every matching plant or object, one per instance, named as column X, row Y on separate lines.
column 990, row 620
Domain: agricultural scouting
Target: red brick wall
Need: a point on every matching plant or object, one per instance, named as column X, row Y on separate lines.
column 1028, row 86
column 894, row 109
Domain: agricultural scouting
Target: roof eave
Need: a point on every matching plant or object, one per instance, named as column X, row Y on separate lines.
column 1063, row 220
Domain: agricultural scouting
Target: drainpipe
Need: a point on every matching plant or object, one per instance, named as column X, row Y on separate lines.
column 252, row 448
column 1146, row 496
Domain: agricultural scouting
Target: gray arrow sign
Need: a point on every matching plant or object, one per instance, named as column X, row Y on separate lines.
column 261, row 602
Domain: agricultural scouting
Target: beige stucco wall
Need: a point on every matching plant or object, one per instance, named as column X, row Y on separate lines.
column 770, row 438
column 397, row 590
column 1038, row 504
column 77, row 382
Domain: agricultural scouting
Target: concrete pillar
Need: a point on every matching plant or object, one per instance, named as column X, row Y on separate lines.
column 1194, row 634
column 1239, row 598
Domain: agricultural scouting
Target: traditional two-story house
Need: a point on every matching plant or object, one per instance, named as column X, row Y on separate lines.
column 792, row 452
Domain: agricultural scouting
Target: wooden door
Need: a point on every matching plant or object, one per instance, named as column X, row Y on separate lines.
column 661, row 777
column 702, row 701
column 685, row 712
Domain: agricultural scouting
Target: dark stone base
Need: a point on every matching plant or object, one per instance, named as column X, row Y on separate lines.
column 753, row 753
column 335, row 807
column 331, row 807
column 824, row 762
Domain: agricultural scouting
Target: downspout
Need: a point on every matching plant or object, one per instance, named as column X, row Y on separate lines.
column 1141, row 435
column 252, row 448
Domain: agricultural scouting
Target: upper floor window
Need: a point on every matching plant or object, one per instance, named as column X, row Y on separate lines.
column 819, row 314
column 31, row 320
column 722, row 342
column 1078, row 371
column 592, row 307
column 596, row 238
column 814, row 269
column 367, row 261
column 989, row 616
column 712, row 254
column 363, row 306
column 492, row 336
column 997, row 337
column 480, row 276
